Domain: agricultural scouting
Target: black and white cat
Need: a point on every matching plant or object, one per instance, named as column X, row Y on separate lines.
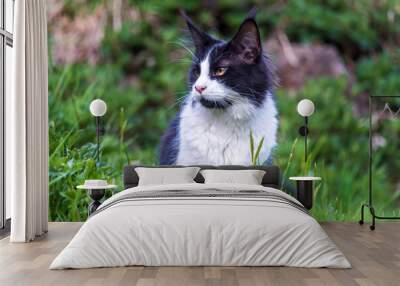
column 231, row 93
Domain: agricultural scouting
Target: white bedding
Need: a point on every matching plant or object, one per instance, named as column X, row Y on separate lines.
column 185, row 231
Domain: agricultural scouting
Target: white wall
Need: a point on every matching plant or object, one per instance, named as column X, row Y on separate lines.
column 8, row 86
column 9, row 10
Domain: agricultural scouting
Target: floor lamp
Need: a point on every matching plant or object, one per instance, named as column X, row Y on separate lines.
column 305, row 108
column 98, row 108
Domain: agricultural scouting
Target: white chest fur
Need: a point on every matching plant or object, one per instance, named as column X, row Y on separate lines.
column 222, row 137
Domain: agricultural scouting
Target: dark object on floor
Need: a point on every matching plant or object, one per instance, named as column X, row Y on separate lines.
column 5, row 231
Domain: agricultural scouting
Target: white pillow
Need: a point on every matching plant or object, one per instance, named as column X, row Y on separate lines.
column 248, row 177
column 166, row 176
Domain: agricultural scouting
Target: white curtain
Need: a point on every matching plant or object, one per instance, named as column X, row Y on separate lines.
column 27, row 124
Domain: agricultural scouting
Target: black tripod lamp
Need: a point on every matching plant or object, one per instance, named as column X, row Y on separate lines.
column 305, row 108
column 98, row 108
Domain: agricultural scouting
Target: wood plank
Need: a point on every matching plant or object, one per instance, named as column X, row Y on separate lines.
column 375, row 257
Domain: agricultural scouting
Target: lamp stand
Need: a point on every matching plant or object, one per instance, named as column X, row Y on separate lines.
column 305, row 138
column 98, row 131
column 303, row 131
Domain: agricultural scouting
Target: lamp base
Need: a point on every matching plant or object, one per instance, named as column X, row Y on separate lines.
column 305, row 193
column 96, row 195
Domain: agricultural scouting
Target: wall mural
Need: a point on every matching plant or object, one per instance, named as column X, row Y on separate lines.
column 231, row 86
column 219, row 86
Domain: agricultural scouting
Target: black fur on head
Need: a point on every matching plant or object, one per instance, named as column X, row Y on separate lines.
column 249, row 71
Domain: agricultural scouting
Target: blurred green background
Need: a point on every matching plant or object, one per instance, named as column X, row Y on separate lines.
column 131, row 54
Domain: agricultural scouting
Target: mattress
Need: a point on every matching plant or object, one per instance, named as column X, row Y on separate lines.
column 201, row 225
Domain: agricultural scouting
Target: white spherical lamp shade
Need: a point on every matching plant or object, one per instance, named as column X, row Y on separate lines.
column 305, row 108
column 98, row 107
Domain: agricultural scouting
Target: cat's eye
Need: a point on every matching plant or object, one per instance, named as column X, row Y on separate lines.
column 196, row 72
column 220, row 71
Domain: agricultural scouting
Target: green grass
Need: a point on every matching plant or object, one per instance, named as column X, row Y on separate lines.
column 342, row 136
column 141, row 74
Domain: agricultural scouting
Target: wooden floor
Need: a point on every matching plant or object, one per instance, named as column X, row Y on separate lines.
column 375, row 257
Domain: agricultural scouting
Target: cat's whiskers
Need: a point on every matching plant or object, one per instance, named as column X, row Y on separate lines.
column 251, row 93
column 223, row 96
column 177, row 102
column 180, row 61
column 181, row 92
column 183, row 45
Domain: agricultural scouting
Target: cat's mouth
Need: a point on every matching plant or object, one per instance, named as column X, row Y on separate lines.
column 217, row 104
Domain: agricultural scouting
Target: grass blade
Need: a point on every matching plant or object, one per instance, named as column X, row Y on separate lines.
column 252, row 147
column 258, row 151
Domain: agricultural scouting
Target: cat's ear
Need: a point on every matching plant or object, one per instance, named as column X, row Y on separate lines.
column 247, row 43
column 252, row 13
column 201, row 40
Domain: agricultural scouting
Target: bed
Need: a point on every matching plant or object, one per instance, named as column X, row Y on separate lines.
column 198, row 224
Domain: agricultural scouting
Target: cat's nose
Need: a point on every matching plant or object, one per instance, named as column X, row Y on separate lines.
column 200, row 88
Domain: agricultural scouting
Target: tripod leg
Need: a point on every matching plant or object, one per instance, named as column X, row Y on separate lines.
column 372, row 227
column 361, row 221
